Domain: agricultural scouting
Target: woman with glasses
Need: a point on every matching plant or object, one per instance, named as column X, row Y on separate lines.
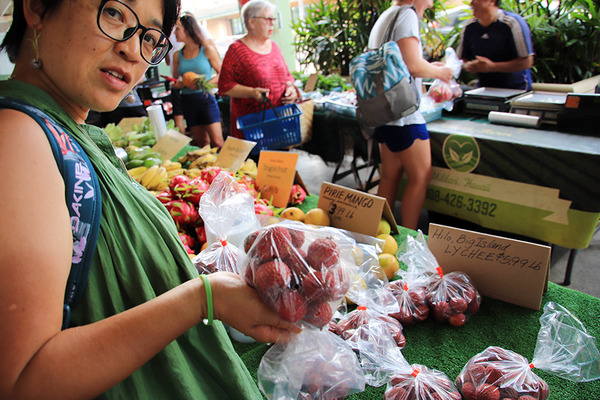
column 200, row 108
column 137, row 332
column 254, row 65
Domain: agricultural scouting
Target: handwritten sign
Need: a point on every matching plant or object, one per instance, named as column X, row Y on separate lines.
column 170, row 144
column 128, row 123
column 504, row 269
column 234, row 153
column 276, row 171
column 354, row 210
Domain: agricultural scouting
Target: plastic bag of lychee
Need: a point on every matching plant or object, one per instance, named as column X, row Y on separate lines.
column 383, row 363
column 227, row 210
column 451, row 297
column 563, row 348
column 302, row 273
column 314, row 365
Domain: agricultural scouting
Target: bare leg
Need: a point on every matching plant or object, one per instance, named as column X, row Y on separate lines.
column 417, row 164
column 391, row 173
column 200, row 136
column 215, row 134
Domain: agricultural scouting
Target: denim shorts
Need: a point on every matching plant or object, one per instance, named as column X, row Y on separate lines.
column 200, row 109
column 399, row 138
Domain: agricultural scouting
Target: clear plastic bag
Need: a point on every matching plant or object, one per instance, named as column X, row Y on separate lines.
column 563, row 348
column 383, row 363
column 313, row 365
column 301, row 272
column 228, row 214
column 451, row 297
column 411, row 299
column 444, row 93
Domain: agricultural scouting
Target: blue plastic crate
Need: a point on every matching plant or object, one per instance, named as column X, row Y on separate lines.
column 272, row 129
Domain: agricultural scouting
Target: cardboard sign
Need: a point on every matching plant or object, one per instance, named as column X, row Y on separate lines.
column 505, row 269
column 276, row 171
column 233, row 153
column 127, row 123
column 354, row 210
column 170, row 144
column 311, row 82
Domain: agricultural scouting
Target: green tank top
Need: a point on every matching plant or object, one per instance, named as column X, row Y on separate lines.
column 139, row 256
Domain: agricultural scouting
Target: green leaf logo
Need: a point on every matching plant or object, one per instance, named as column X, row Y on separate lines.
column 461, row 153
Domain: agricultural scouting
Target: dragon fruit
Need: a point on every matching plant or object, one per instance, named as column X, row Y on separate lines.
column 182, row 212
column 297, row 194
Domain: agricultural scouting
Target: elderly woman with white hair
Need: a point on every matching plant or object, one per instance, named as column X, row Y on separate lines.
column 254, row 65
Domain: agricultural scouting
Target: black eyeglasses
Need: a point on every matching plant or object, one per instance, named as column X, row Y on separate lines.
column 267, row 19
column 119, row 22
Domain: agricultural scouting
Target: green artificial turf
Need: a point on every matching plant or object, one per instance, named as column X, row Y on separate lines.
column 447, row 349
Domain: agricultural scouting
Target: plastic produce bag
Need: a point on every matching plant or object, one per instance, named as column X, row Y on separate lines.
column 313, row 365
column 383, row 363
column 228, row 214
column 444, row 93
column 301, row 272
column 412, row 303
column 451, row 297
column 563, row 348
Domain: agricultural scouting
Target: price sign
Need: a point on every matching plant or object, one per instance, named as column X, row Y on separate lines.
column 234, row 153
column 276, row 171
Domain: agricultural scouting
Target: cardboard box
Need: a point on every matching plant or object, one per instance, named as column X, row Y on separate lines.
column 505, row 269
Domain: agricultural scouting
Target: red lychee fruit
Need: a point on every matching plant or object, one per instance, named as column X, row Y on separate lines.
column 249, row 240
column 509, row 393
column 458, row 304
column 468, row 391
column 487, row 392
column 395, row 393
column 421, row 313
column 475, row 373
column 291, row 305
column 319, row 314
column 493, row 374
column 273, row 242
column 296, row 261
column 527, row 397
column 323, row 253
column 457, row 319
column 297, row 236
column 473, row 307
column 319, row 285
column 272, row 277
column 441, row 311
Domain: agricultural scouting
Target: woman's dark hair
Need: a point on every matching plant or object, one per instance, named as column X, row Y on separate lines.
column 189, row 23
column 14, row 37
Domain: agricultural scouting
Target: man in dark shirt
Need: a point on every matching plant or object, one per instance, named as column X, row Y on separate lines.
column 496, row 45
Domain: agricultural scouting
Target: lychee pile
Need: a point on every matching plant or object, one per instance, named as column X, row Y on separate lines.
column 452, row 298
column 348, row 326
column 297, row 272
column 412, row 302
column 498, row 374
column 421, row 383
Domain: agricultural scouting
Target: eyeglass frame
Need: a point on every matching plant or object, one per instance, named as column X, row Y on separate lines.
column 272, row 20
column 133, row 31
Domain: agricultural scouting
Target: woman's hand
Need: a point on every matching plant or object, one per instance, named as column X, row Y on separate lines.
column 259, row 94
column 445, row 74
column 177, row 84
column 239, row 306
column 290, row 95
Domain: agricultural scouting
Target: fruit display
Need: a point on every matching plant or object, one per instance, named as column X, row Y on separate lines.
column 354, row 325
column 412, row 303
column 421, row 383
column 452, row 298
column 298, row 271
column 314, row 365
column 140, row 135
column 496, row 373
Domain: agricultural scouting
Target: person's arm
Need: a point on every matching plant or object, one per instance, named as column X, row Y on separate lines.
column 179, row 83
column 484, row 64
column 417, row 65
column 38, row 359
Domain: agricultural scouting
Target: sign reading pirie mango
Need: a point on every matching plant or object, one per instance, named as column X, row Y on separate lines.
column 354, row 210
column 275, row 177
column 505, row 269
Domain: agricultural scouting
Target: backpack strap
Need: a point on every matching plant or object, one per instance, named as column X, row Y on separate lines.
column 82, row 194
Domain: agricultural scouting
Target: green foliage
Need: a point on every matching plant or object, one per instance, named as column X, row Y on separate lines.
column 325, row 82
column 565, row 36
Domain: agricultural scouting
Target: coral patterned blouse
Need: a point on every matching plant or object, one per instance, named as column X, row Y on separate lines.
column 242, row 66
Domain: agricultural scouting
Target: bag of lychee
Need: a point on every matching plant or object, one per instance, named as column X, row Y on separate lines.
column 382, row 363
column 314, row 364
column 227, row 210
column 451, row 297
column 299, row 271
column 563, row 348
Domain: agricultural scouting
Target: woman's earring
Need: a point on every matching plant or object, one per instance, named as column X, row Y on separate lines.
column 36, row 63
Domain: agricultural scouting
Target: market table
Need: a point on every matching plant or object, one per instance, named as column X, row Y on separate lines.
column 497, row 323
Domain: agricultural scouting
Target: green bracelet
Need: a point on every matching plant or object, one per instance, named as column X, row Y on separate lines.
column 209, row 301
